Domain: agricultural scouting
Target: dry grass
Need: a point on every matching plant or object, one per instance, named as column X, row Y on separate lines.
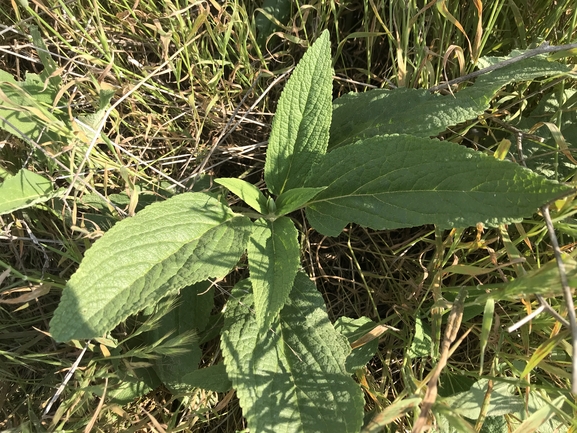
column 194, row 98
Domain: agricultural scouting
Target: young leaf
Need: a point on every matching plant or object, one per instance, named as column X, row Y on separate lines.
column 169, row 245
column 247, row 192
column 23, row 190
column 273, row 261
column 300, row 129
column 294, row 199
column 389, row 182
column 354, row 114
column 293, row 377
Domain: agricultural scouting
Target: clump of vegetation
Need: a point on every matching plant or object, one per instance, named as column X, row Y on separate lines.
column 169, row 314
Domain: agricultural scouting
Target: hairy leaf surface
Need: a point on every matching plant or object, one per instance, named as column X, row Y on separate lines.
column 292, row 377
column 300, row 129
column 402, row 181
column 355, row 118
column 169, row 245
column 273, row 261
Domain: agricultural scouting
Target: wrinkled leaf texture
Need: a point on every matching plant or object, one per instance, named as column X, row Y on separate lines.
column 169, row 245
column 291, row 377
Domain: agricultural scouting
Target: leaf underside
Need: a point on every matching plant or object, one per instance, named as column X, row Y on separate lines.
column 389, row 182
column 292, row 377
column 169, row 245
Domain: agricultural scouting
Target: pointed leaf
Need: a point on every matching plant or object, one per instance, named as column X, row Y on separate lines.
column 247, row 192
column 423, row 114
column 293, row 377
column 23, row 190
column 186, row 239
column 293, row 199
column 401, row 181
column 50, row 67
column 273, row 261
column 300, row 129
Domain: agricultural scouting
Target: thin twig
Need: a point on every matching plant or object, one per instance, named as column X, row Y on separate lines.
column 453, row 325
column 544, row 48
column 65, row 381
column 526, row 319
column 566, row 294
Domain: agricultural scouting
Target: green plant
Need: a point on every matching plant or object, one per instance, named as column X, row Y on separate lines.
column 285, row 359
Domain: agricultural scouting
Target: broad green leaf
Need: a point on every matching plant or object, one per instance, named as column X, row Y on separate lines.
column 23, row 190
column 423, row 114
column 354, row 329
column 503, row 400
column 26, row 109
column 535, row 421
column 247, row 192
column 541, row 414
column 402, row 181
column 291, row 378
column 294, row 199
column 448, row 421
column 188, row 318
column 300, row 129
column 273, row 262
column 272, row 10
column 169, row 245
column 212, row 378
